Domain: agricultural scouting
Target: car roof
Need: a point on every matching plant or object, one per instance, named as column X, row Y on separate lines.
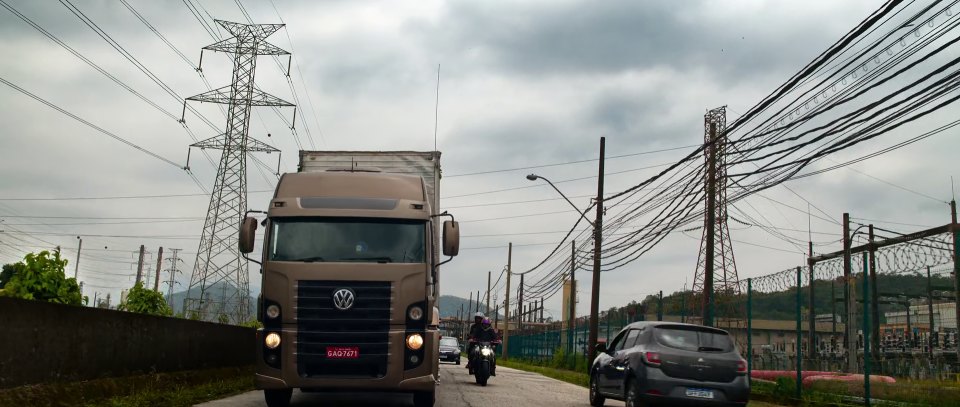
column 643, row 324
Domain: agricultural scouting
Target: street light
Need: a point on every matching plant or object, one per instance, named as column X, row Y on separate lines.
column 597, row 239
column 583, row 214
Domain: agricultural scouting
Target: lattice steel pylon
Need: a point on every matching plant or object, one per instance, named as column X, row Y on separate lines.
column 716, row 274
column 219, row 262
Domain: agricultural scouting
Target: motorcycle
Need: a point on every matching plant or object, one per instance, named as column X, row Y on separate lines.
column 484, row 360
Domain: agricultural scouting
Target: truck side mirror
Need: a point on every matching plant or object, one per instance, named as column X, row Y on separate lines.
column 248, row 233
column 451, row 238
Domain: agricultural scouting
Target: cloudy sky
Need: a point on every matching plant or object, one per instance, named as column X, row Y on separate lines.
column 521, row 84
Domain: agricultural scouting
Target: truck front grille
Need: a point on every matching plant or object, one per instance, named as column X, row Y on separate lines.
column 365, row 325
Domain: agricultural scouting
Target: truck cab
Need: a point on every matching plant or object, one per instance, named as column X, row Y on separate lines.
column 349, row 284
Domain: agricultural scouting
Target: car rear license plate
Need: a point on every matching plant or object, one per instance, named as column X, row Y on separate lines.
column 700, row 393
column 343, row 352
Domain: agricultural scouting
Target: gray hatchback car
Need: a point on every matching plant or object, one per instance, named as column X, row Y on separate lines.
column 671, row 364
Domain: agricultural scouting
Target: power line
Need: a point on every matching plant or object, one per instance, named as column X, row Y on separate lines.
column 88, row 124
column 81, row 198
column 572, row 162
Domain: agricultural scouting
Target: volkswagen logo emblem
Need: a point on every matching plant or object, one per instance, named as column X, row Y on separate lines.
column 343, row 299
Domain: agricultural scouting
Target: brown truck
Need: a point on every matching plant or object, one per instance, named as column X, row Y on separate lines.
column 350, row 265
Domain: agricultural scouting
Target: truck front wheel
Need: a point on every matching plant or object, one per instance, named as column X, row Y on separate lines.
column 278, row 398
column 423, row 399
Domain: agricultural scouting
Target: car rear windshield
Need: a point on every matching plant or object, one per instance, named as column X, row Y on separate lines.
column 693, row 338
column 448, row 342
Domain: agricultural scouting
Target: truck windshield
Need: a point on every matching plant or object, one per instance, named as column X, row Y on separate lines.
column 367, row 240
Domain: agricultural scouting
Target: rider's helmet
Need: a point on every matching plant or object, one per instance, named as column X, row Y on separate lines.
column 485, row 322
column 478, row 317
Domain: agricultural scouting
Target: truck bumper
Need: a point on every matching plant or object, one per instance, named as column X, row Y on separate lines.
column 421, row 378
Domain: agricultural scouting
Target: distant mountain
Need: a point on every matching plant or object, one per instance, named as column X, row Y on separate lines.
column 450, row 306
column 213, row 293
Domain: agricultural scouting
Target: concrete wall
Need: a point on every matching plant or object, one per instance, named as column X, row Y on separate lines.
column 42, row 342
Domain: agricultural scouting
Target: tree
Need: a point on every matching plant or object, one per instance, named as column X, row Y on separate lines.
column 8, row 271
column 40, row 277
column 145, row 301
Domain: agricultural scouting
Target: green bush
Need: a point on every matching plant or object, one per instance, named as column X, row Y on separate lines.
column 145, row 301
column 40, row 277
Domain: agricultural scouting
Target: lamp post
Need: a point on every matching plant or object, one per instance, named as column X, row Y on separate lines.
column 597, row 239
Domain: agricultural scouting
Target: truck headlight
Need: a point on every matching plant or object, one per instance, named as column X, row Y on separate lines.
column 416, row 313
column 414, row 341
column 272, row 341
column 273, row 311
column 486, row 352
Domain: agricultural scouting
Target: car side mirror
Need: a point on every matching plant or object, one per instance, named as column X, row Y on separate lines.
column 248, row 233
column 451, row 238
column 601, row 348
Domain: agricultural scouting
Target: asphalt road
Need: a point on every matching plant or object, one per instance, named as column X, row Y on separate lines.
column 510, row 388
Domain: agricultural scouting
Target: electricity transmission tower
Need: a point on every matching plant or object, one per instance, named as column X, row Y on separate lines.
column 172, row 260
column 716, row 273
column 218, row 259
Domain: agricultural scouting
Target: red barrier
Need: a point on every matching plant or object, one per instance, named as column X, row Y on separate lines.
column 810, row 376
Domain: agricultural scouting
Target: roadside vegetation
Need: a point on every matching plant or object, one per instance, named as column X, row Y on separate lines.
column 40, row 277
column 159, row 389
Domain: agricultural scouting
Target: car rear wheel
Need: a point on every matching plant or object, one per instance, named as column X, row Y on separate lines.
column 633, row 396
column 278, row 398
column 596, row 400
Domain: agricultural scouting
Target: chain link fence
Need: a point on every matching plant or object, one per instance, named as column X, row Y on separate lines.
column 873, row 324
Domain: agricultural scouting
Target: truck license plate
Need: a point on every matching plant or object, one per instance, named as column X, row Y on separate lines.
column 700, row 393
column 343, row 352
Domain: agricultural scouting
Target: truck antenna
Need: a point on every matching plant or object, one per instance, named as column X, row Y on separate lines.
column 436, row 110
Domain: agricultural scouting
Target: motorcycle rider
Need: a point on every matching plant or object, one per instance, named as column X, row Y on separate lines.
column 475, row 329
column 488, row 334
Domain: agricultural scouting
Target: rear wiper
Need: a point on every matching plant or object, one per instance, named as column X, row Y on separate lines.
column 309, row 259
column 381, row 259
column 709, row 349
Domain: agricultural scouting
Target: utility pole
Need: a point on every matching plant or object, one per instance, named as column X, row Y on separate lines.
column 470, row 304
column 156, row 280
column 520, row 305
column 848, row 298
column 541, row 310
column 812, row 313
column 506, row 305
column 930, row 310
column 955, row 230
column 76, row 266
column 597, row 242
column 488, row 294
column 478, row 301
column 140, row 265
column 874, row 299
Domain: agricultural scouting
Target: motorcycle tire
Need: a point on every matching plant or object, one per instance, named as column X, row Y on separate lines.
column 482, row 372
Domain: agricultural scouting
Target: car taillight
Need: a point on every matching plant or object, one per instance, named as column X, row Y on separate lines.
column 741, row 366
column 652, row 358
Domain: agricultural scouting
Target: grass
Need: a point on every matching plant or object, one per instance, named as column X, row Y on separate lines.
column 160, row 389
column 904, row 392
column 569, row 376
column 579, row 378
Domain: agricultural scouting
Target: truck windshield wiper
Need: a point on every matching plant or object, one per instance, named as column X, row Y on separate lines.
column 309, row 259
column 381, row 259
